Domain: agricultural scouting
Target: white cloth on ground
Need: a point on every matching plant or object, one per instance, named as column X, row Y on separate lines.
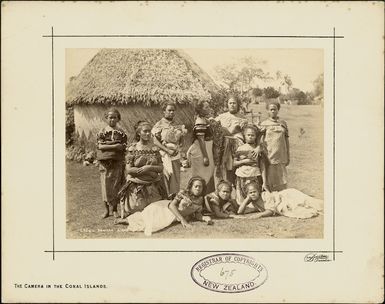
column 292, row 203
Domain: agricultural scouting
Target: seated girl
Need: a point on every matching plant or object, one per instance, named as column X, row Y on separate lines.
column 219, row 203
column 186, row 205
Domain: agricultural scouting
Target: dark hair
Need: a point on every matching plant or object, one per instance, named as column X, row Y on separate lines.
column 194, row 179
column 251, row 184
column 138, row 126
column 251, row 127
column 168, row 103
column 112, row 110
column 273, row 102
column 199, row 107
column 222, row 183
column 238, row 101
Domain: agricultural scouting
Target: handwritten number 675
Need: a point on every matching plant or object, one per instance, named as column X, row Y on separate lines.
column 227, row 273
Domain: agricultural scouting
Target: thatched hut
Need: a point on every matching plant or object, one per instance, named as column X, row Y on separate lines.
column 136, row 82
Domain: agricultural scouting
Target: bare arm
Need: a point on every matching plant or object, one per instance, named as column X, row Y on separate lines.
column 242, row 207
column 246, row 161
column 152, row 168
column 202, row 218
column 265, row 213
column 218, row 213
column 105, row 147
column 263, row 168
column 202, row 146
column 133, row 171
column 288, row 150
column 173, row 208
column 162, row 147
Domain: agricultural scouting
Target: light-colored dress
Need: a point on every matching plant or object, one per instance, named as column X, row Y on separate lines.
column 276, row 132
column 292, row 203
column 111, row 163
column 158, row 216
column 170, row 135
column 232, row 141
column 246, row 173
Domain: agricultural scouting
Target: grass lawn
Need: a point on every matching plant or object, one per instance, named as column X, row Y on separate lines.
column 84, row 206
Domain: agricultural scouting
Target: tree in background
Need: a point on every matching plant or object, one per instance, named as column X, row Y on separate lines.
column 270, row 92
column 283, row 82
column 240, row 78
column 241, row 75
column 318, row 90
column 257, row 92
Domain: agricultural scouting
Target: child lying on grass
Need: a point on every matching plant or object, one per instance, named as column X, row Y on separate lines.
column 219, row 203
column 288, row 202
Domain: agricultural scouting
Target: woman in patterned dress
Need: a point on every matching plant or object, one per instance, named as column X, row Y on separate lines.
column 144, row 183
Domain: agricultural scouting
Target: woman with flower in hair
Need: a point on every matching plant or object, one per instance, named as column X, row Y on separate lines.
column 144, row 183
column 187, row 205
column 111, row 146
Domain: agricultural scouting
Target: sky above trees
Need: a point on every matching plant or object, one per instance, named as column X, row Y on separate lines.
column 302, row 65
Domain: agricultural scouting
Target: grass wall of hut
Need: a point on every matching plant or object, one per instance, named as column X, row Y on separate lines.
column 89, row 119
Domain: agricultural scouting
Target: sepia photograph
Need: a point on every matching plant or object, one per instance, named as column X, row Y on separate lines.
column 194, row 143
column 192, row 151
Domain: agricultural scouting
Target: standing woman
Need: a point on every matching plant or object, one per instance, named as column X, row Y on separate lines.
column 203, row 154
column 232, row 123
column 111, row 146
column 276, row 140
column 200, row 154
column 144, row 167
column 168, row 137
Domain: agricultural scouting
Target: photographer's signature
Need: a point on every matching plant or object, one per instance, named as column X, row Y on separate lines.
column 316, row 257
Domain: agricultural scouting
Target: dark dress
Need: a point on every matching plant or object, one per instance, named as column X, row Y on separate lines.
column 111, row 164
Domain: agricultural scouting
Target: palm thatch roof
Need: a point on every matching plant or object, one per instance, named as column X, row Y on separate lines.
column 146, row 76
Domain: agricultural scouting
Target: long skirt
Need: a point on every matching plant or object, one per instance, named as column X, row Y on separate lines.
column 139, row 196
column 195, row 157
column 153, row 218
column 277, row 177
column 112, row 179
column 173, row 183
column 171, row 173
column 226, row 168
